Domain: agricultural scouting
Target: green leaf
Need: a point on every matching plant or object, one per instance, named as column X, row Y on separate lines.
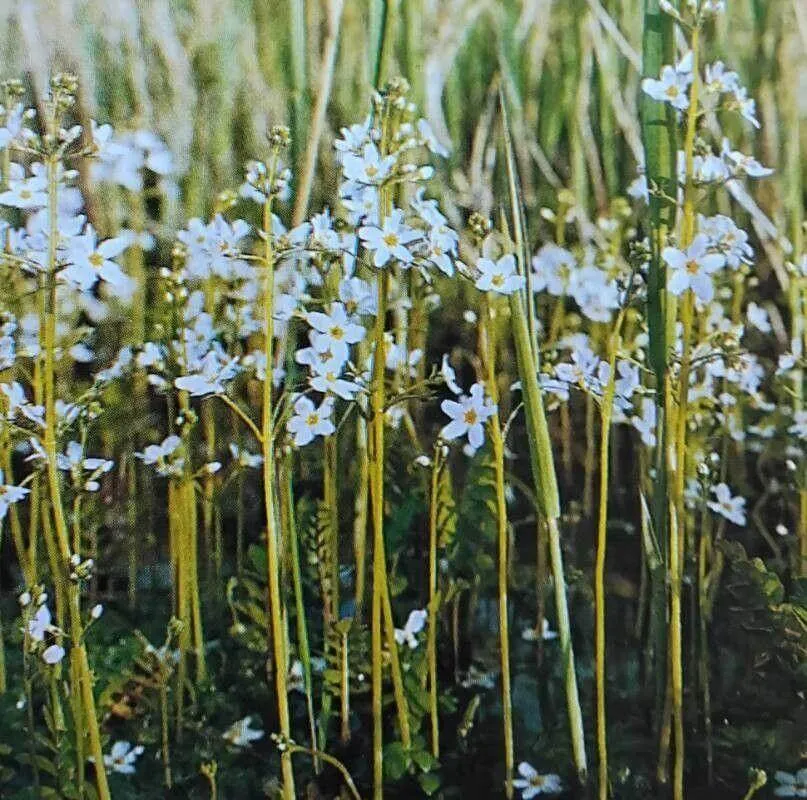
column 396, row 761
column 425, row 760
column 429, row 782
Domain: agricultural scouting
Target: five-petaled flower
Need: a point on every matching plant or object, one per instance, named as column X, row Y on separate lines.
column 732, row 508
column 121, row 758
column 310, row 421
column 693, row 268
column 468, row 416
column 531, row 783
column 499, row 276
column 241, row 734
column 390, row 240
column 414, row 625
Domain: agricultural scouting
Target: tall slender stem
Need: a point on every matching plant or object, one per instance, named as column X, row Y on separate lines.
column 488, row 344
column 543, row 471
column 290, row 529
column 678, row 524
column 437, row 465
column 606, row 413
column 267, row 441
column 87, row 723
column 377, row 500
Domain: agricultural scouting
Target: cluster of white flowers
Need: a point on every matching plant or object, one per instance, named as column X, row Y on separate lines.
column 42, row 635
column 592, row 281
column 589, row 373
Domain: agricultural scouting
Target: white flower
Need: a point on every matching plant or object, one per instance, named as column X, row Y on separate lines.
column 441, row 245
column 335, row 331
column 596, row 295
column 53, row 654
column 122, row 757
column 746, row 105
column 397, row 358
column 646, row 424
column 552, row 268
column 732, row 508
column 240, row 734
column 547, row 634
column 719, row 80
column 693, row 269
column 244, row 457
column 358, row 296
column 638, row 189
column 90, row 261
column 758, row 317
column 468, row 416
column 730, row 240
column 672, row 86
column 799, row 426
column 791, row 785
column 160, row 455
column 390, row 240
column 310, row 421
column 353, row 138
column 582, row 372
column 210, row 376
column 322, row 233
column 414, row 625
column 532, row 784
column 39, row 624
column 26, row 193
column 430, row 140
column 326, row 378
column 9, row 494
column 369, row 168
column 296, row 678
column 743, row 164
column 500, row 276
column 449, row 376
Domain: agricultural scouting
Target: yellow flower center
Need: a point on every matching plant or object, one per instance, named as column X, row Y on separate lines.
column 498, row 280
column 337, row 333
column 312, row 419
column 471, row 417
column 96, row 259
column 692, row 267
column 390, row 239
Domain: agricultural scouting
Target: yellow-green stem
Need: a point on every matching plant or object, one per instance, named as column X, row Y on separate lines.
column 87, row 723
column 678, row 521
column 290, row 533
column 606, row 413
column 272, row 556
column 377, row 500
column 432, row 631
column 488, row 344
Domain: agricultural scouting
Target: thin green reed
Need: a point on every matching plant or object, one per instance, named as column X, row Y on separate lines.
column 660, row 147
column 542, row 465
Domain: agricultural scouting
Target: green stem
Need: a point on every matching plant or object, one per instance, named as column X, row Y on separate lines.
column 334, row 762
column 290, row 531
column 433, row 601
column 87, row 723
column 488, row 345
column 166, row 751
column 606, row 413
column 267, row 441
column 546, row 491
